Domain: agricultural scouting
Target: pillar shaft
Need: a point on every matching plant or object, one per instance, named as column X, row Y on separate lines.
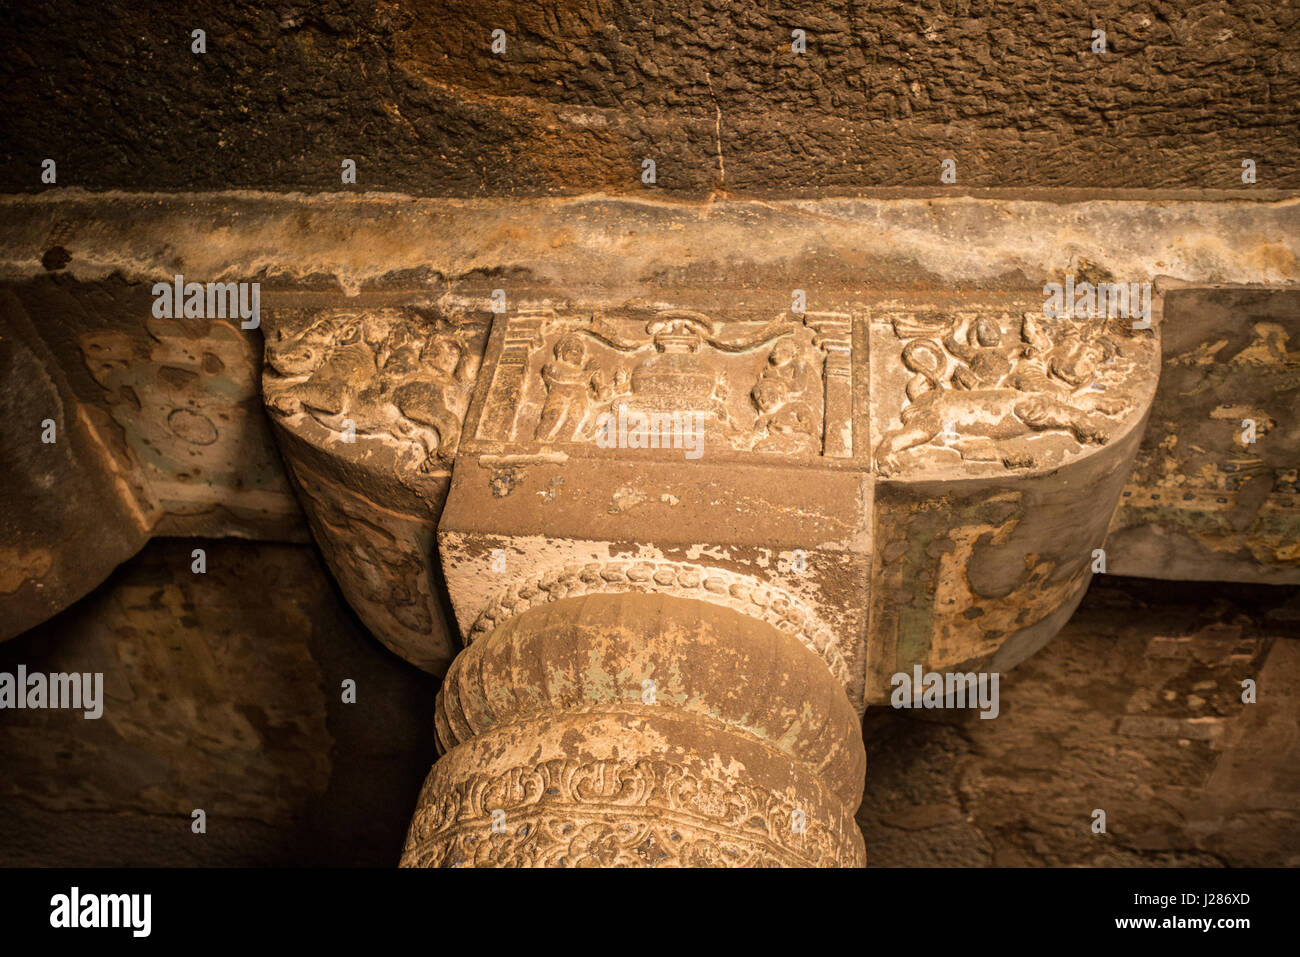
column 641, row 730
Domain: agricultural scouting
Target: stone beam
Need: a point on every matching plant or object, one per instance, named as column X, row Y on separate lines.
column 610, row 248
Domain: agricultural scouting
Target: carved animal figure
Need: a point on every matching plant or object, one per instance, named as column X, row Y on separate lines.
column 991, row 413
column 335, row 356
column 1042, row 390
column 384, row 379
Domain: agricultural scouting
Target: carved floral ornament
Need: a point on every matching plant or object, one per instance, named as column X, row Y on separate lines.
column 559, row 815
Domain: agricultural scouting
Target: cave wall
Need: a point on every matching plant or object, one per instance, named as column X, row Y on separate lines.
column 587, row 89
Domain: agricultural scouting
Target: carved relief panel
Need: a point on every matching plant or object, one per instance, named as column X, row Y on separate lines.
column 722, row 459
column 984, row 390
column 755, row 461
column 672, row 379
column 1002, row 438
column 368, row 402
column 397, row 379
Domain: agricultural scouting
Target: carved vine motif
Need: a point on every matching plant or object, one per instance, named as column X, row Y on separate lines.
column 742, row 593
column 557, row 814
column 747, row 386
column 401, row 374
column 974, row 379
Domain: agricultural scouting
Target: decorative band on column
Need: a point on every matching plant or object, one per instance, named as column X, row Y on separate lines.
column 641, row 729
column 643, row 789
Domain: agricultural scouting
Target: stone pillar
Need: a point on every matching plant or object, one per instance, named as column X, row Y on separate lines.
column 685, row 552
column 641, row 729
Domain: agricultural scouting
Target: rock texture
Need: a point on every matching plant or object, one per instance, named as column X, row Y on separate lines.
column 607, row 250
column 222, row 691
column 1135, row 709
column 585, row 90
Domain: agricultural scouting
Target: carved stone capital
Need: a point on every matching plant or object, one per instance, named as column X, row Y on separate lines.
column 367, row 402
column 667, row 451
column 760, row 519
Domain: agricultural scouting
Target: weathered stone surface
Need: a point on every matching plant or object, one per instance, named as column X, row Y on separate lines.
column 368, row 404
column 974, row 389
column 914, row 470
column 739, row 502
column 943, row 788
column 691, row 477
column 159, row 430
column 640, row 730
column 977, row 576
column 222, row 691
column 1203, row 502
column 608, row 250
column 584, row 90
column 398, row 471
column 1136, row 709
column 790, row 525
